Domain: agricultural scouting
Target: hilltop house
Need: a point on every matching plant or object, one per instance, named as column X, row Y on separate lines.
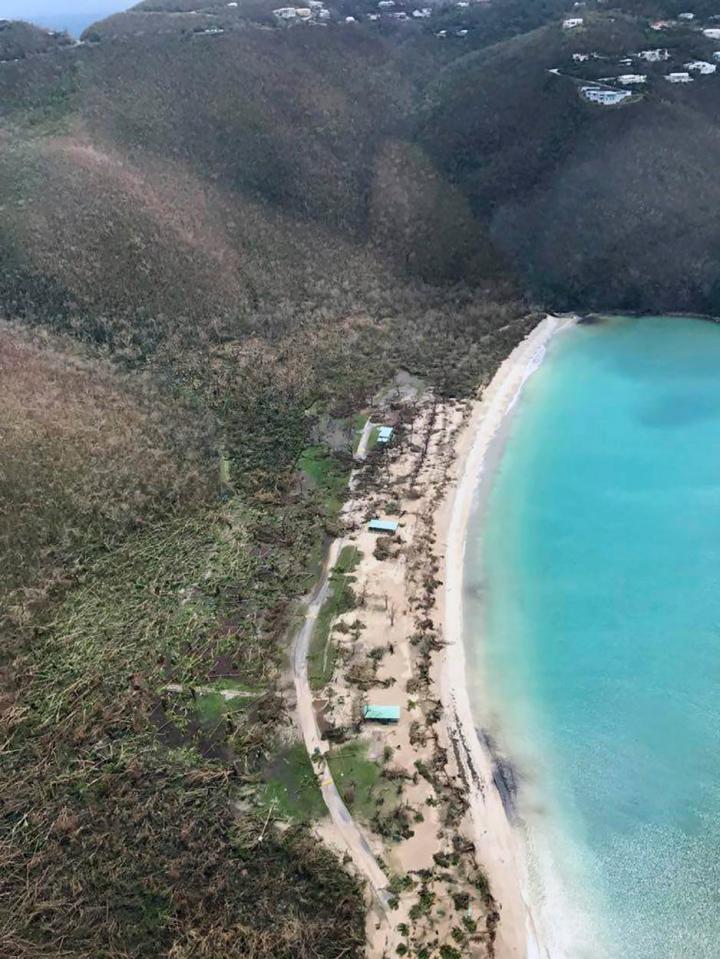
column 572, row 22
column 606, row 98
column 700, row 66
column 654, row 56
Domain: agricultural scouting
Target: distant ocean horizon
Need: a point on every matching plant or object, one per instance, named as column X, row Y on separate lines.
column 592, row 625
column 74, row 18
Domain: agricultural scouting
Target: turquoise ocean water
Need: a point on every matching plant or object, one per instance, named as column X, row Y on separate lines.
column 592, row 622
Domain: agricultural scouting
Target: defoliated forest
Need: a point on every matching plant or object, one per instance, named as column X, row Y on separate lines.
column 220, row 236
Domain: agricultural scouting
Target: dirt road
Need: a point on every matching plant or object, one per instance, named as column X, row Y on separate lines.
column 346, row 827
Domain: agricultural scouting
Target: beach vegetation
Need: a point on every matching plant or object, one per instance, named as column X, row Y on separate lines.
column 373, row 438
column 383, row 548
column 424, row 903
column 327, row 472
column 401, row 883
column 341, row 599
column 393, row 824
column 360, row 780
column 449, row 952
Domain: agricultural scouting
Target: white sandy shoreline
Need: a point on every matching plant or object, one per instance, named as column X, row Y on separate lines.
column 499, row 846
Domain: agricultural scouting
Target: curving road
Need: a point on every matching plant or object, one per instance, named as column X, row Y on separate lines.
column 357, row 846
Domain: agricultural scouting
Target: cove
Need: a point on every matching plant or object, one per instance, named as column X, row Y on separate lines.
column 592, row 631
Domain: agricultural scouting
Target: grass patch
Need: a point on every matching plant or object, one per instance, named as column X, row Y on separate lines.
column 360, row 781
column 314, row 566
column 235, row 684
column 341, row 598
column 292, row 789
column 212, row 708
column 326, row 472
column 358, row 422
column 347, row 561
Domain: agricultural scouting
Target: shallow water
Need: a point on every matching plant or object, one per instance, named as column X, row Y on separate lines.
column 593, row 633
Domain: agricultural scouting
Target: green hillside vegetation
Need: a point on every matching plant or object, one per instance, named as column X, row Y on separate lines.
column 589, row 203
column 19, row 40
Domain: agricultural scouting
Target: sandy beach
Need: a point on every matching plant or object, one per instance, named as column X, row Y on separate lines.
column 445, row 828
column 498, row 844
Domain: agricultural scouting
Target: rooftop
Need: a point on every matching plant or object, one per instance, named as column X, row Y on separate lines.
column 381, row 714
column 383, row 525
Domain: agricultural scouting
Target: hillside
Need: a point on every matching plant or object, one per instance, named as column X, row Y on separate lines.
column 223, row 234
column 231, row 316
column 596, row 206
column 19, row 40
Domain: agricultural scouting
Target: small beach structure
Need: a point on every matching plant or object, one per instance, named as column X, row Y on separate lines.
column 381, row 714
column 384, row 435
column 383, row 525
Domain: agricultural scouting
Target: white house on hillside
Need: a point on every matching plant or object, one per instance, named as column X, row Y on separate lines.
column 606, row 98
column 700, row 66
